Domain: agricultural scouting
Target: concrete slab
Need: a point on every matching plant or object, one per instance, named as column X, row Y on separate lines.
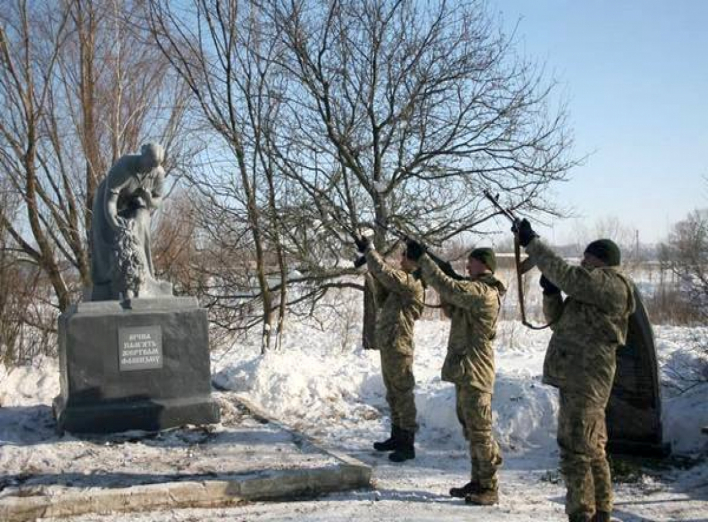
column 245, row 458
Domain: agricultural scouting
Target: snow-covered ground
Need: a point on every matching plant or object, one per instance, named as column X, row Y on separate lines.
column 322, row 383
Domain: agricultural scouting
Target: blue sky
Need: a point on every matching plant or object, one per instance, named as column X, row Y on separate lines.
column 635, row 78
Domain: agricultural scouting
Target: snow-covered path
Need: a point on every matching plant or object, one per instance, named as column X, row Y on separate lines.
column 418, row 492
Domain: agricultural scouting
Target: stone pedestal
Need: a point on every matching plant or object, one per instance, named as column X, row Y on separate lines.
column 142, row 364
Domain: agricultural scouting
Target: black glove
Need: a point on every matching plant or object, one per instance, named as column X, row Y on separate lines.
column 359, row 261
column 548, row 287
column 526, row 233
column 362, row 243
column 414, row 250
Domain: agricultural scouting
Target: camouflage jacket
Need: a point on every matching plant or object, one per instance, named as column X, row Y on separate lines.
column 399, row 300
column 591, row 323
column 473, row 307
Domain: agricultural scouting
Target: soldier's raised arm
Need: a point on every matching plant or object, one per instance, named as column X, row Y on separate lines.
column 461, row 293
column 390, row 278
column 590, row 286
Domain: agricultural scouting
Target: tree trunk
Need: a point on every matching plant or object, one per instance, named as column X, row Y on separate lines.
column 253, row 219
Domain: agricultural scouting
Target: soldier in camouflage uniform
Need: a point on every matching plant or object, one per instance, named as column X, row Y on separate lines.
column 473, row 306
column 399, row 296
column 588, row 327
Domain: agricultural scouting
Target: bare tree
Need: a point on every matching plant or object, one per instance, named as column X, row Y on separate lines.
column 28, row 65
column 175, row 248
column 79, row 86
column 333, row 115
column 218, row 47
column 10, row 326
column 686, row 256
column 25, row 329
column 403, row 111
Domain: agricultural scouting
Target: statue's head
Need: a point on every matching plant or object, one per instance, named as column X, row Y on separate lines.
column 151, row 156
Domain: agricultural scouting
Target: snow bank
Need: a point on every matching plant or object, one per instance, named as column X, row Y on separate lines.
column 683, row 354
column 31, row 384
column 307, row 383
column 323, row 382
column 313, row 384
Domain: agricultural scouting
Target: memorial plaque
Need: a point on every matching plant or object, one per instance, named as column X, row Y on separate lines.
column 140, row 348
column 140, row 364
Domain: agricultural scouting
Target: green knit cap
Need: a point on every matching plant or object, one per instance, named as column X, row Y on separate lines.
column 606, row 251
column 486, row 256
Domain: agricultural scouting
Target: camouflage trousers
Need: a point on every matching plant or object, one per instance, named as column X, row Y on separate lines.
column 582, row 436
column 397, row 370
column 474, row 411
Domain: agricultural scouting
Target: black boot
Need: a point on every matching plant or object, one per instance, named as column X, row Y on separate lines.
column 483, row 497
column 405, row 449
column 470, row 487
column 390, row 443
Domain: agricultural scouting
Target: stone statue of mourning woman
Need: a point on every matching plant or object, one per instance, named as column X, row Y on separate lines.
column 121, row 262
column 134, row 357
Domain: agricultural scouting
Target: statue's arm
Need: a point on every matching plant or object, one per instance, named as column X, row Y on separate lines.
column 111, row 209
column 115, row 181
column 153, row 198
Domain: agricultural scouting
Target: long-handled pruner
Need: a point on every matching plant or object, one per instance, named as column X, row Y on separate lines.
column 521, row 266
